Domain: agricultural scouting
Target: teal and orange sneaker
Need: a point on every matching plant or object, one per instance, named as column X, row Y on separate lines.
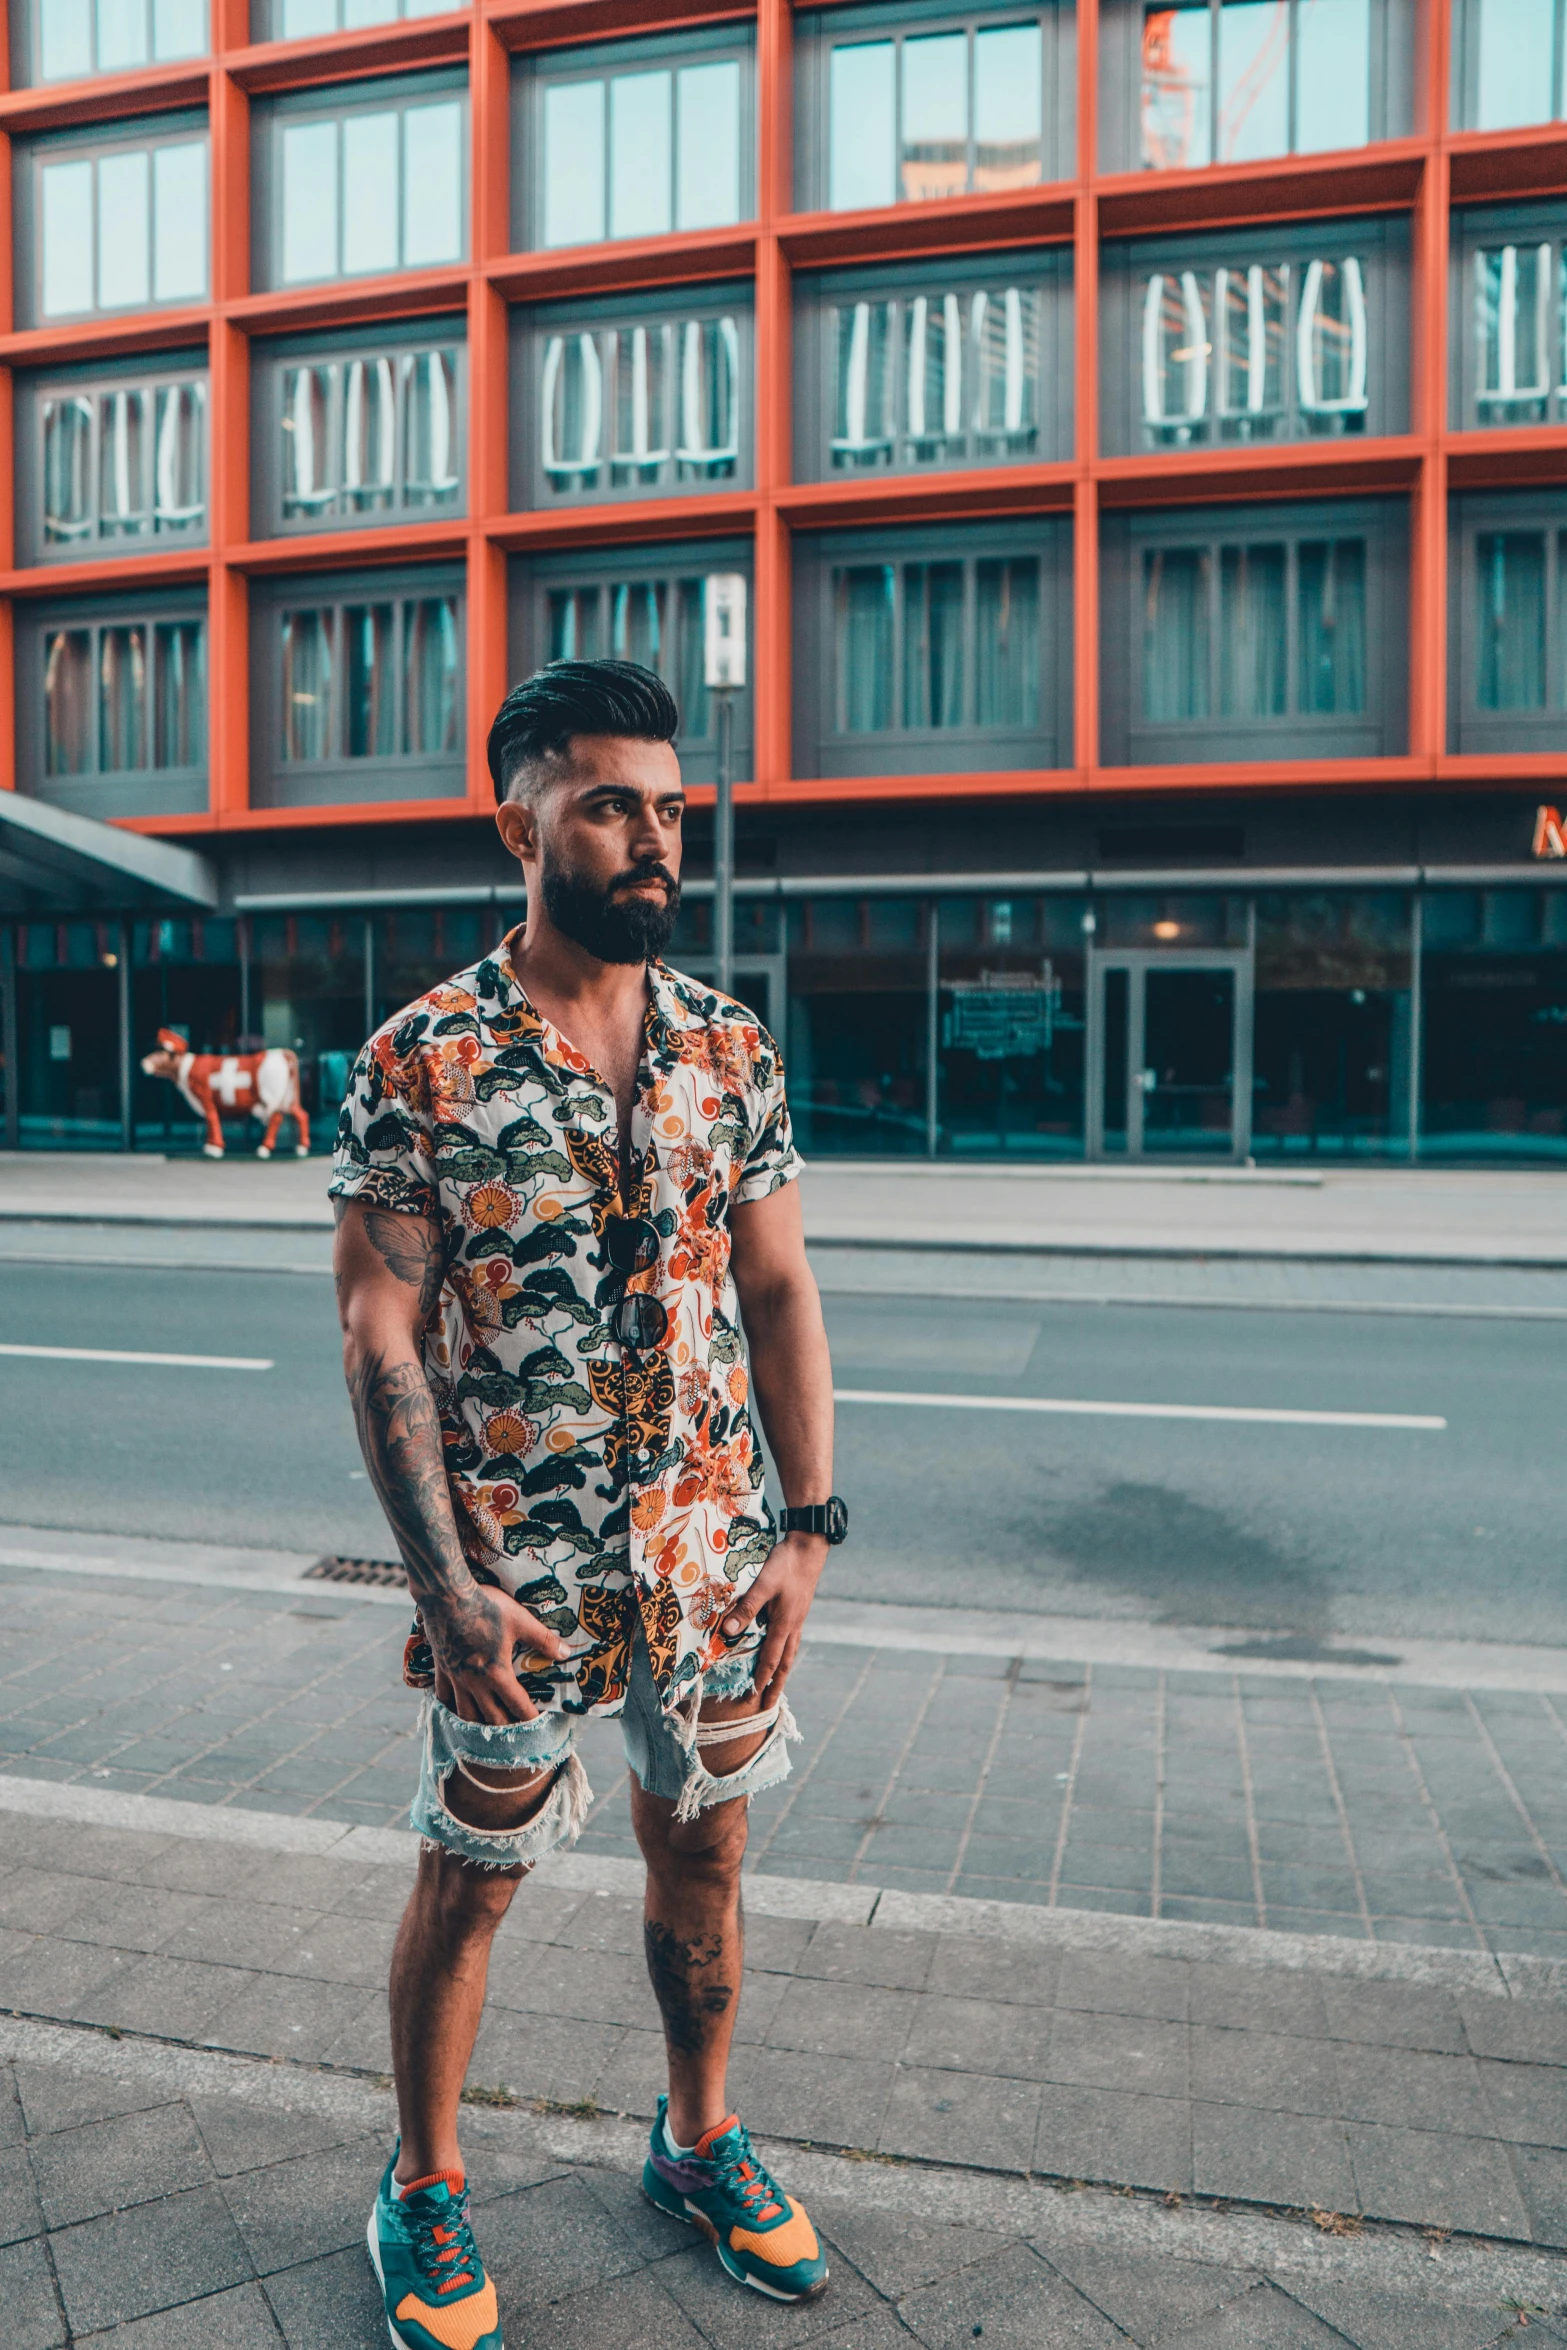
column 433, row 2287
column 723, row 2187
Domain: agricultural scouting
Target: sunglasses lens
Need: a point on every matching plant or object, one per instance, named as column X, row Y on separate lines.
column 639, row 1322
column 631, row 1243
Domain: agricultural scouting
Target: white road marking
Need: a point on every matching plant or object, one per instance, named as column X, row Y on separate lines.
column 110, row 1354
column 1071, row 1406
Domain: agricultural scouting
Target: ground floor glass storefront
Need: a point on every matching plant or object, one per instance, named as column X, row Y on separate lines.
column 1306, row 1024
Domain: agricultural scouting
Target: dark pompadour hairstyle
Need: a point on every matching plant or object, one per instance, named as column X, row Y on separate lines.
column 539, row 717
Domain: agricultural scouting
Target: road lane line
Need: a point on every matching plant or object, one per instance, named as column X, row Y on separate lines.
column 1072, row 1407
column 110, row 1354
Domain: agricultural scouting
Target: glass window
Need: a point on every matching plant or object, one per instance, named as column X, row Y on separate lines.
column 1333, row 1025
column 1514, row 62
column 369, row 191
column 1218, row 623
column 124, row 460
column 637, row 405
column 1510, row 570
column 914, row 622
column 1259, row 350
column 73, row 39
column 650, row 607
column 930, row 114
column 371, row 680
column 1235, row 81
column 1494, row 1067
column 296, row 20
column 1509, row 664
column 125, row 694
column 1519, row 365
column 639, row 153
column 939, row 377
column 124, row 229
column 364, row 436
column 1010, row 1026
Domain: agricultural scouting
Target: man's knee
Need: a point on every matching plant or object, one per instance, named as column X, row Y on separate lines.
column 711, row 1847
column 461, row 1900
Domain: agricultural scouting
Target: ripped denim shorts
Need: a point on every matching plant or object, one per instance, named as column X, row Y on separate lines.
column 664, row 1750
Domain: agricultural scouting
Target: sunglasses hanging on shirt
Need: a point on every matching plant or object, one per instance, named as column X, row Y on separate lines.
column 636, row 1321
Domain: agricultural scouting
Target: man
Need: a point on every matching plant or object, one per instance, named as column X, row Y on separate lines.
column 561, row 1181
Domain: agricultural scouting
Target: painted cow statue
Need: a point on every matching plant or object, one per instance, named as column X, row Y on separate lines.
column 257, row 1085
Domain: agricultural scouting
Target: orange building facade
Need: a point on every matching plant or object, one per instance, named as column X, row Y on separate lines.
column 1143, row 431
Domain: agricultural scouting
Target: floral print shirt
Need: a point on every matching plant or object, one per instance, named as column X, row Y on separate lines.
column 597, row 1485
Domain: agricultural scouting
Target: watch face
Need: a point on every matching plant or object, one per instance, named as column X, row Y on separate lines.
column 837, row 1519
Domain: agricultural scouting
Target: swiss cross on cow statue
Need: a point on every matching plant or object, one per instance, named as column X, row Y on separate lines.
column 256, row 1085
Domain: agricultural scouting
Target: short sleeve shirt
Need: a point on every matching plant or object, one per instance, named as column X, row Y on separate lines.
column 601, row 1486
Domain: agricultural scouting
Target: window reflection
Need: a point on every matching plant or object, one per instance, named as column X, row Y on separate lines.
column 656, row 620
column 180, row 703
column 640, row 406
column 431, row 667
column 122, row 698
column 307, row 684
column 365, row 435
column 372, row 680
column 935, row 378
column 1257, row 352
column 68, row 701
column 929, row 115
column 1520, row 368
column 1234, row 81
column 902, row 633
column 1510, row 567
column 68, row 470
column 126, row 462
column 1235, row 610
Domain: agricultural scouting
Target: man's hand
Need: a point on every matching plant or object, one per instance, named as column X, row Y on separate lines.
column 785, row 1587
column 477, row 1633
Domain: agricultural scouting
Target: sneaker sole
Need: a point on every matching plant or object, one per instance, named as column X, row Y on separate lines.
column 372, row 2246
column 696, row 2218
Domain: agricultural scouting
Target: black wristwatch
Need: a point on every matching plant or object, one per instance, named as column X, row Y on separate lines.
column 830, row 1517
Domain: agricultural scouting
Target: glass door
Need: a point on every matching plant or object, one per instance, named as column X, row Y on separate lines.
column 1170, row 1056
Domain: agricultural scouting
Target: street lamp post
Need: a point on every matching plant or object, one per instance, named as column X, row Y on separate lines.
column 723, row 667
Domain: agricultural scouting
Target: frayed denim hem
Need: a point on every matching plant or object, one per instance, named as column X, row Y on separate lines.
column 545, row 1743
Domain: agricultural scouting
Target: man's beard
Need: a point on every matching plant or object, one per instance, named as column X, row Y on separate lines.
column 632, row 930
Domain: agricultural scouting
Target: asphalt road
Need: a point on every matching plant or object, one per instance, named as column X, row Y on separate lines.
column 1304, row 1529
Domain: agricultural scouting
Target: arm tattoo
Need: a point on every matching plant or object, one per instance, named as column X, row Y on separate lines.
column 400, row 1438
column 411, row 1252
column 691, row 1998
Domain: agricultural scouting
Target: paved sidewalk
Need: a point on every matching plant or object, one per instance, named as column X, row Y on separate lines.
column 1025, row 2139
column 1271, row 1794
column 1350, row 1216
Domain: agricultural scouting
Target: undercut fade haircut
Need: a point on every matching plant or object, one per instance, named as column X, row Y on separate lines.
column 534, row 725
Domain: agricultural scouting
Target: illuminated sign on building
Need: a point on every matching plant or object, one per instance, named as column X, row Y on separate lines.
column 1550, row 838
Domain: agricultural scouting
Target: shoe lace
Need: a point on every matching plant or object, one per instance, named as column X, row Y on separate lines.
column 746, row 2176
column 443, row 2244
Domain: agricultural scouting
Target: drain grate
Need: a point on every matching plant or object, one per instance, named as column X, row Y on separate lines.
column 339, row 1570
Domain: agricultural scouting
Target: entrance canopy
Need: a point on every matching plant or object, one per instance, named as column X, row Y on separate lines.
column 54, row 862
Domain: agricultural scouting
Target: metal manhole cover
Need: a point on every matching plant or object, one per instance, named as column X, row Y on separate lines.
column 340, row 1570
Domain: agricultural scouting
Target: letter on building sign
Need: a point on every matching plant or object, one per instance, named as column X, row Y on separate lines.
column 1550, row 836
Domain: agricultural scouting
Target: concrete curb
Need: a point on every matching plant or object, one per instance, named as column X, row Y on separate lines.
column 1504, row 1976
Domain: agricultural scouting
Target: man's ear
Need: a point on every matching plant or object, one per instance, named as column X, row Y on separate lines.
column 518, row 825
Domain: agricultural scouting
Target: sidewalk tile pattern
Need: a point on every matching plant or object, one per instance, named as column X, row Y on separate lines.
column 1319, row 1805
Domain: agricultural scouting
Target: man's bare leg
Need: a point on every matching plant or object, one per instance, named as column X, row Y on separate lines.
column 693, row 1930
column 440, row 1965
